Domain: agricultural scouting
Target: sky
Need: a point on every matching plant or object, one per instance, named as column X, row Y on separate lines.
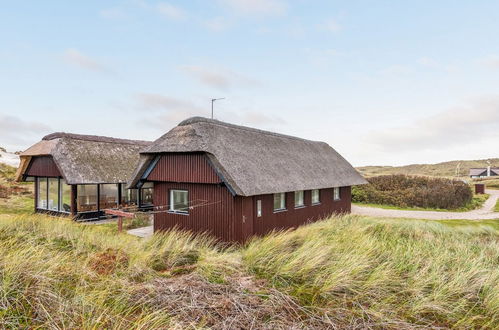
column 383, row 82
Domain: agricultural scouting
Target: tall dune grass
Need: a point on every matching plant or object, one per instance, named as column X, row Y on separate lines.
column 343, row 272
column 385, row 273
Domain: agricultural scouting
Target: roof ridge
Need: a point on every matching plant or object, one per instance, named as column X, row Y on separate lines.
column 198, row 119
column 94, row 138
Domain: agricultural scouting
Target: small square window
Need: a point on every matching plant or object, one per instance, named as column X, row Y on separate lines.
column 336, row 193
column 279, row 201
column 316, row 196
column 299, row 200
column 179, row 201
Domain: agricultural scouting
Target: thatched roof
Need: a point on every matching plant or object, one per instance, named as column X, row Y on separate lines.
column 254, row 162
column 85, row 159
column 483, row 171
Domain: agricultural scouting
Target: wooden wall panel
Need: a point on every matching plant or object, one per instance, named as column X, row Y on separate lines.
column 43, row 166
column 184, row 167
column 219, row 218
column 293, row 217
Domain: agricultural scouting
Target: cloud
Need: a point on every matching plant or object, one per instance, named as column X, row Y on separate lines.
column 19, row 133
column 113, row 13
column 170, row 11
column 218, row 78
column 491, row 62
column 428, row 62
column 431, row 63
column 397, row 69
column 165, row 112
column 458, row 126
column 256, row 7
column 217, row 24
column 171, row 110
column 75, row 57
column 332, row 25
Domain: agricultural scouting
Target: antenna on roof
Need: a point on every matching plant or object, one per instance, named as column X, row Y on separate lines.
column 213, row 101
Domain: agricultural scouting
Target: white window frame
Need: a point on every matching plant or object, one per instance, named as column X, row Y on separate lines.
column 259, row 208
column 336, row 193
column 172, row 203
column 302, row 204
column 282, row 203
column 318, row 201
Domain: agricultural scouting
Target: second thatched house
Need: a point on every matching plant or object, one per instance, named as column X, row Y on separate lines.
column 235, row 182
column 81, row 175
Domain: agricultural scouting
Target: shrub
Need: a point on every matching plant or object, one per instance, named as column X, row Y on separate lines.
column 414, row 191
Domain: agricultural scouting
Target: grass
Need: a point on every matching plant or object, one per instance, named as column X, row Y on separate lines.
column 476, row 203
column 343, row 272
column 445, row 169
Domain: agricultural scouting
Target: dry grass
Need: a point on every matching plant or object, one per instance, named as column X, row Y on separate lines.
column 341, row 273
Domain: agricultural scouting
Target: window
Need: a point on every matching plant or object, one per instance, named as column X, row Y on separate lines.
column 65, row 191
column 279, row 201
column 316, row 199
column 259, row 208
column 128, row 196
column 336, row 193
column 146, row 193
column 299, row 200
column 179, row 201
column 87, row 198
column 42, row 193
column 108, row 196
column 53, row 200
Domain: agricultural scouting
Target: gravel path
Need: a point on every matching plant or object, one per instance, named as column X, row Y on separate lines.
column 486, row 212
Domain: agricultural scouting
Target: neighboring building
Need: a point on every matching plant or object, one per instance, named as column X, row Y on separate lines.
column 80, row 175
column 235, row 182
column 486, row 172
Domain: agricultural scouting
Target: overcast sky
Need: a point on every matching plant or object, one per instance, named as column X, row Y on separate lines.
column 383, row 82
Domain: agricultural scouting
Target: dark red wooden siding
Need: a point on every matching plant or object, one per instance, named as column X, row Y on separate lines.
column 220, row 218
column 43, row 166
column 292, row 218
column 189, row 167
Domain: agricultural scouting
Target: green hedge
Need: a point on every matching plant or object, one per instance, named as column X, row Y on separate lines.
column 414, row 191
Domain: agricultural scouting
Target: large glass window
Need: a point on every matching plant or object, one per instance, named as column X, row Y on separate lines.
column 299, row 200
column 336, row 193
column 279, row 201
column 128, row 196
column 179, row 201
column 53, row 200
column 146, row 193
column 42, row 193
column 65, row 198
column 87, row 198
column 316, row 197
column 108, row 196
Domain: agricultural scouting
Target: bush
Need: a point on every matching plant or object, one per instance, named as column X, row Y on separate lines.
column 414, row 191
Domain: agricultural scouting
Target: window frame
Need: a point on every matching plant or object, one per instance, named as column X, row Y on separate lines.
column 172, row 204
column 282, row 202
column 62, row 184
column 336, row 194
column 302, row 205
column 318, row 196
column 46, row 193
column 259, row 212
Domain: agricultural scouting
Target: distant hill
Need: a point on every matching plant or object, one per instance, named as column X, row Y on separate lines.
column 8, row 158
column 447, row 169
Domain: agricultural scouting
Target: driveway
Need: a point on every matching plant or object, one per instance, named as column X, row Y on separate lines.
column 142, row 231
column 484, row 213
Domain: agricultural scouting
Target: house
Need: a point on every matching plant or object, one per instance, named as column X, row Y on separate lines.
column 235, row 182
column 80, row 175
column 486, row 172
